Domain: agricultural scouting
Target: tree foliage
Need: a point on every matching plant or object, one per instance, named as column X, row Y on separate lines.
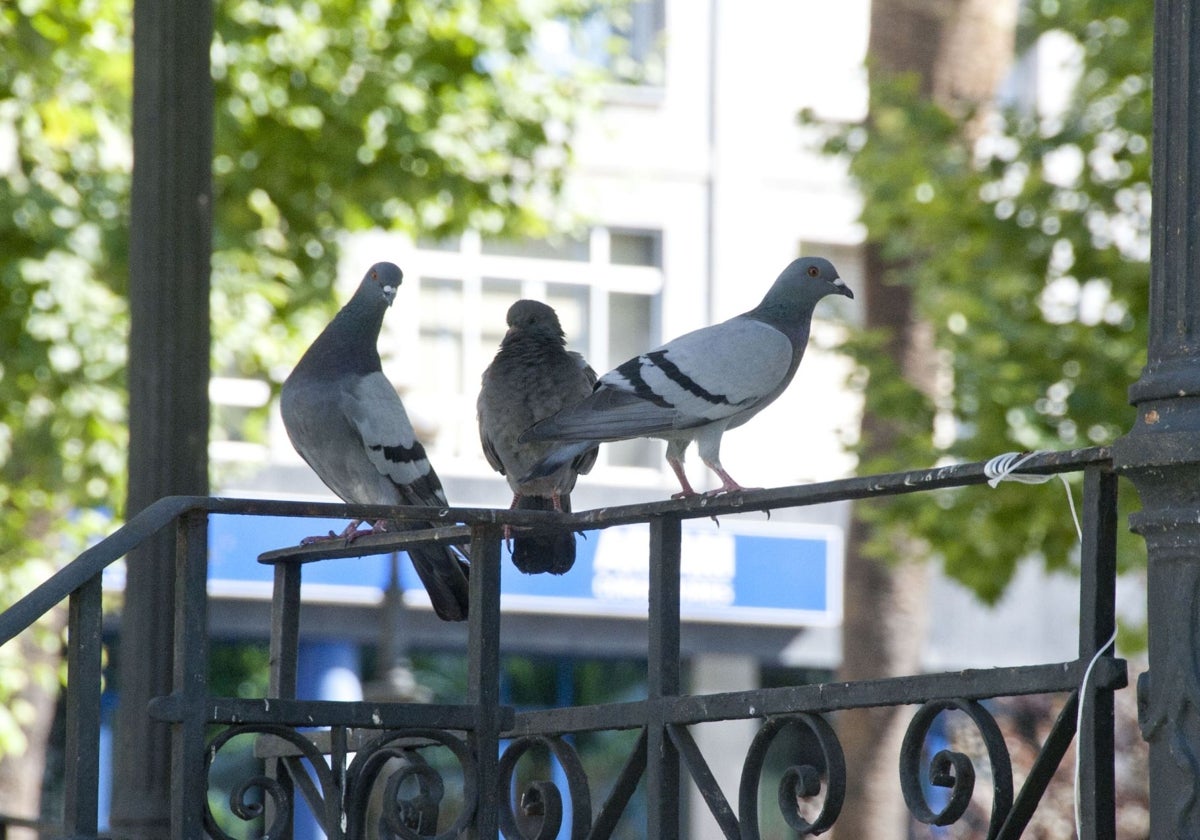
column 1028, row 255
column 331, row 116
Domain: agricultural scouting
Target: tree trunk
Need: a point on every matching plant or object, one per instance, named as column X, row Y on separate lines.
column 170, row 250
column 960, row 51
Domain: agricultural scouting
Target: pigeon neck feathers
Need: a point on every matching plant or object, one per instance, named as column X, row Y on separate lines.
column 349, row 344
column 534, row 331
column 789, row 304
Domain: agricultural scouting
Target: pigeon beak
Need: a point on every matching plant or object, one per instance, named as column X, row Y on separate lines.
column 389, row 294
column 843, row 289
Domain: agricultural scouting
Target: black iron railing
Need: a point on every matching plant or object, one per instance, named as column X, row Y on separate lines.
column 351, row 760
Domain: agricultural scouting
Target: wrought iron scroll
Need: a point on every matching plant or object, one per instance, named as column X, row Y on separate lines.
column 273, row 791
column 394, row 757
column 955, row 770
column 799, row 781
column 543, row 799
column 340, row 798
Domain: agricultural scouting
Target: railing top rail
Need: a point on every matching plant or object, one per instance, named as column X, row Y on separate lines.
column 800, row 495
column 95, row 559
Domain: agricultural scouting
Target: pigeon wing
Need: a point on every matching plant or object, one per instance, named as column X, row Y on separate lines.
column 702, row 377
column 372, row 406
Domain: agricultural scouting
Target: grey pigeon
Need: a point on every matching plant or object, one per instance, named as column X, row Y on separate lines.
column 346, row 420
column 700, row 384
column 532, row 377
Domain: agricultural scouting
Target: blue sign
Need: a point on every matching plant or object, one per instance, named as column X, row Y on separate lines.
column 743, row 571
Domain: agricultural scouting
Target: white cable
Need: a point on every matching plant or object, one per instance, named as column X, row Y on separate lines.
column 1001, row 468
column 1079, row 724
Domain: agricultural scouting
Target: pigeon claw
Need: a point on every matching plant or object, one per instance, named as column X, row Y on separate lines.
column 721, row 491
column 353, row 532
column 320, row 538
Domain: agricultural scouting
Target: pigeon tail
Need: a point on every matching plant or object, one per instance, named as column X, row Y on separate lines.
column 549, row 551
column 556, row 460
column 444, row 575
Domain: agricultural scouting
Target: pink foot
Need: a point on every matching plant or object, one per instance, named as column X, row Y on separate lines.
column 728, row 485
column 349, row 534
column 320, row 538
column 687, row 492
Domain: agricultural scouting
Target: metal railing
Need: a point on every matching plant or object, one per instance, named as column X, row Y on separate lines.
column 364, row 749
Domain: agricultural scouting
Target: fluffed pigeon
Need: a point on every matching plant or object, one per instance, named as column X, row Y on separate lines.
column 346, row 420
column 532, row 377
column 700, row 384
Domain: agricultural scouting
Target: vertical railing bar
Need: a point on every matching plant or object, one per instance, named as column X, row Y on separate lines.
column 283, row 657
column 81, row 751
column 335, row 806
column 483, row 674
column 188, row 787
column 285, row 630
column 663, row 678
column 1097, row 621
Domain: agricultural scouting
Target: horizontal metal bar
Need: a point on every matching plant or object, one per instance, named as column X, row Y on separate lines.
column 802, row 495
column 978, row 684
column 632, row 714
column 274, row 711
column 382, row 543
column 56, row 588
column 272, row 746
column 155, row 516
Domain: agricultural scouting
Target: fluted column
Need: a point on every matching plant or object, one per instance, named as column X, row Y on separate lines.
column 170, row 249
column 1161, row 454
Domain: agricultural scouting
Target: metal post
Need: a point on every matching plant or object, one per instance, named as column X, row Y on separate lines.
column 483, row 674
column 1097, row 620
column 1161, row 454
column 663, row 678
column 284, row 656
column 81, row 753
column 188, row 788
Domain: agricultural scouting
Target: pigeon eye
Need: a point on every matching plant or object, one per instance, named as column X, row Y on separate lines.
column 813, row 271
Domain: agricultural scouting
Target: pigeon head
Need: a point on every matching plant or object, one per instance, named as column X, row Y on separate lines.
column 809, row 278
column 797, row 289
column 535, row 317
column 381, row 282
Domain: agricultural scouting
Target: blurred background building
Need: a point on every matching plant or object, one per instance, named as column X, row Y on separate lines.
column 693, row 185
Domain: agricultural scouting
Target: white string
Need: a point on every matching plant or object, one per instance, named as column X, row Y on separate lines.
column 1002, row 468
column 1079, row 724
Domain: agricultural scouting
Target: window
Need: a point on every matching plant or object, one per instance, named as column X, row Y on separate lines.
column 625, row 41
column 605, row 287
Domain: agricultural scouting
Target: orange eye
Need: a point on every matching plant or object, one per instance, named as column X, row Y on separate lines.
column 813, row 271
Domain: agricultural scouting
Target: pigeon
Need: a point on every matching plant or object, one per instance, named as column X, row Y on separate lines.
column 532, row 377
column 345, row 419
column 700, row 384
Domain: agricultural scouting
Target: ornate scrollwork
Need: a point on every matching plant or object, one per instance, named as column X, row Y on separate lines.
column 276, row 793
column 798, row 781
column 543, row 799
column 954, row 770
column 395, row 757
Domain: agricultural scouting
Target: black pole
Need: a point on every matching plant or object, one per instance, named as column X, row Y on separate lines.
column 1161, row 454
column 170, row 250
